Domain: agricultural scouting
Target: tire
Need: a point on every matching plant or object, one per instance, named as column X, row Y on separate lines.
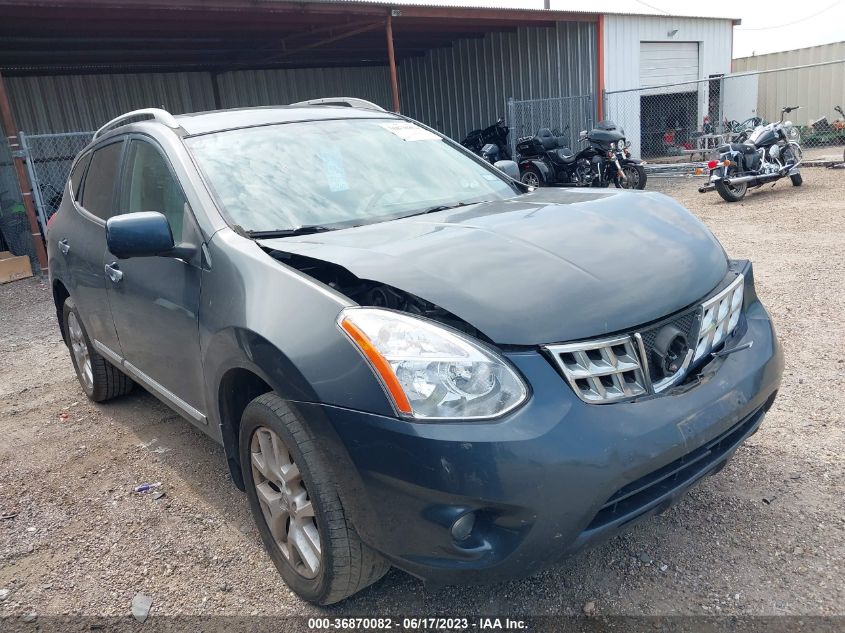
column 300, row 477
column 731, row 194
column 636, row 177
column 532, row 177
column 100, row 380
column 797, row 181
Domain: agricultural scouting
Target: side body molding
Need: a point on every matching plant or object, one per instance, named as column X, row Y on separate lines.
column 157, row 389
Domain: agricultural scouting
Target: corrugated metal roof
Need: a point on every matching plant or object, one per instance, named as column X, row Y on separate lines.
column 616, row 7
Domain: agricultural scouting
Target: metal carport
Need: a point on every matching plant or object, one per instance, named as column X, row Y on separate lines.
column 71, row 65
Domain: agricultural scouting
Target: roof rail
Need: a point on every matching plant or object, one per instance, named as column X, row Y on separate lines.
column 349, row 102
column 155, row 114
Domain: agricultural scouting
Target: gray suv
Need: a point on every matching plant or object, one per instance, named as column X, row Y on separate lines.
column 409, row 357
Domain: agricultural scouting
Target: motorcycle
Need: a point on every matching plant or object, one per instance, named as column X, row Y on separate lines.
column 759, row 156
column 491, row 143
column 545, row 160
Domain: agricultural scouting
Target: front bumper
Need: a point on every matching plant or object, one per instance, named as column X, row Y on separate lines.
column 553, row 477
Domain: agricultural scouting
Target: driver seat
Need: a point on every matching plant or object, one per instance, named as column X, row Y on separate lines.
column 563, row 155
column 746, row 148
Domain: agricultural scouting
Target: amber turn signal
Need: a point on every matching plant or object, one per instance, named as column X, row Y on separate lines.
column 380, row 364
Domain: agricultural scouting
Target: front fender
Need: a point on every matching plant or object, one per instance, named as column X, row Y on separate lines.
column 235, row 349
column 258, row 310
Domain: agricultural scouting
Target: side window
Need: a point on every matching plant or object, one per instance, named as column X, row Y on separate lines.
column 76, row 176
column 98, row 191
column 150, row 186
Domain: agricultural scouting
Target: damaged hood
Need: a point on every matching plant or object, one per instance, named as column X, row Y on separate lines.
column 548, row 266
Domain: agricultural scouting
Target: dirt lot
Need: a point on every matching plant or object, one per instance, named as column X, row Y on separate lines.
column 765, row 536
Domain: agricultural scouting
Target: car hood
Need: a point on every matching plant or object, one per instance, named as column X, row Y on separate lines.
column 548, row 266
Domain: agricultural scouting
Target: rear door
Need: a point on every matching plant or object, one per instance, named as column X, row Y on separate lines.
column 83, row 243
column 155, row 300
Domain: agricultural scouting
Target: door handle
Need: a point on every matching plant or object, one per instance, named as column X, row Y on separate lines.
column 64, row 246
column 113, row 272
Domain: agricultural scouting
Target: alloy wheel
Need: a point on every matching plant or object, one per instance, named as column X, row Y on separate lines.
column 285, row 503
column 530, row 179
column 632, row 178
column 81, row 354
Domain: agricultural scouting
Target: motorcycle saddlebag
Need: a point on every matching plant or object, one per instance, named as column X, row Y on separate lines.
column 751, row 161
column 749, row 157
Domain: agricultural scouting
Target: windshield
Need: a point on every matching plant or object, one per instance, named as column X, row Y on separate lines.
column 333, row 174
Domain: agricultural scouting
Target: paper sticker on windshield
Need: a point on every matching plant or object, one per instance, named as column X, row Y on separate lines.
column 409, row 132
column 333, row 168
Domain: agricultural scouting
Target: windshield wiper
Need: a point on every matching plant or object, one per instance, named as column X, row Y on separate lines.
column 299, row 230
column 444, row 207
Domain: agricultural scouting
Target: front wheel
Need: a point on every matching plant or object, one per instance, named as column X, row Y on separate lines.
column 796, row 179
column 294, row 500
column 532, row 177
column 731, row 193
column 635, row 177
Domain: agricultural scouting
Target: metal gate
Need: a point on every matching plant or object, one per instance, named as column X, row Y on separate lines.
column 565, row 116
column 48, row 160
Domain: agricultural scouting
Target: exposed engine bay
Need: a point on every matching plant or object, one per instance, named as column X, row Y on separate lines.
column 372, row 293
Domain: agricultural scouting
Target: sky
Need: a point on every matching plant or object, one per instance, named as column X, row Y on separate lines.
column 767, row 26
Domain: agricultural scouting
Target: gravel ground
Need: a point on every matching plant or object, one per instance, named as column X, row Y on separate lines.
column 765, row 536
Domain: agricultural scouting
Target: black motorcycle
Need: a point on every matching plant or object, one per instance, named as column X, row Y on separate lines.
column 759, row 156
column 545, row 160
column 491, row 143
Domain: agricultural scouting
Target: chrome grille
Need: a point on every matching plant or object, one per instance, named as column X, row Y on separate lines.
column 621, row 367
column 603, row 370
column 720, row 315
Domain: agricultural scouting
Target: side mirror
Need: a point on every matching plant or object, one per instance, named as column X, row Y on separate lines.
column 144, row 234
column 509, row 167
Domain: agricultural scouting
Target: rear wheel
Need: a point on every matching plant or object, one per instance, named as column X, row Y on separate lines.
column 100, row 380
column 293, row 497
column 731, row 193
column 532, row 177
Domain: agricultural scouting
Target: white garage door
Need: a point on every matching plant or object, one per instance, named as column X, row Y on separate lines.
column 668, row 62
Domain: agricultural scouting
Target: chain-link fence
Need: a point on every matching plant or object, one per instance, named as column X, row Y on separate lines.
column 689, row 120
column 49, row 158
column 14, row 225
column 48, row 161
column 564, row 116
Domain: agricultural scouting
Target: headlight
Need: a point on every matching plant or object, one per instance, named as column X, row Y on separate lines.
column 429, row 371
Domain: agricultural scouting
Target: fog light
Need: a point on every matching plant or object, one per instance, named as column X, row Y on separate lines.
column 462, row 527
